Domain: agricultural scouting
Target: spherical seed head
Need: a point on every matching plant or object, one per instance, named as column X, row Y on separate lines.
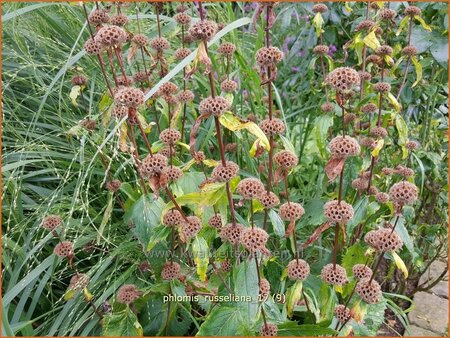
column 365, row 25
column 199, row 156
column 372, row 191
column 215, row 221
column 386, row 240
column 254, row 239
column 182, row 18
column 225, row 173
column 228, row 86
column 370, row 238
column 181, row 53
column 382, row 197
column 334, row 275
column 153, row 165
column 268, row 56
column 321, row 50
column 291, row 211
column 140, row 40
column 286, row 159
column 250, row 188
column 130, row 97
column 98, row 16
column 214, row 105
column 124, row 81
column 188, row 38
column 361, row 271
column 181, row 8
column 298, row 269
column 140, row 77
column 269, row 330
column 387, row 171
column 370, row 292
column 127, row 294
column 403, row 193
column 231, row 233
column 64, row 249
column 369, row 108
column 159, row 44
column 360, row 184
column 171, row 270
column 349, row 118
column 367, row 142
column 170, row 136
column 264, row 288
column 227, row 49
column 343, row 78
column 412, row 11
column 382, row 87
column 172, row 174
column 110, row 36
column 342, row 313
column 272, row 127
column 319, row 8
column 344, row 146
column 88, row 124
column 172, row 218
column 92, row 47
column 191, row 228
column 269, row 200
column 170, row 99
column 186, row 96
column 374, row 59
column 119, row 112
column 51, row 222
column 79, row 80
column 365, row 75
column 327, row 107
column 405, row 171
column 388, row 14
column 412, row 145
column 336, row 212
column 225, row 265
column 168, row 88
column 79, row 281
column 203, row 30
column 113, row 185
column 384, row 50
column 118, row 20
column 409, row 51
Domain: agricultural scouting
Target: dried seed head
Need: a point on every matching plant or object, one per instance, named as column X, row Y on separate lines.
column 372, row 191
column 409, row 51
column 181, row 53
column 321, row 50
column 412, row 145
column 118, row 20
column 327, row 107
column 268, row 56
column 254, row 239
column 170, row 99
column 159, row 44
column 140, row 40
column 171, row 270
column 228, row 86
column 225, row 173
column 370, row 292
column 110, row 36
column 113, row 185
column 227, row 49
column 336, row 212
column 226, row 265
column 203, row 30
column 214, row 105
column 199, row 156
column 384, row 50
column 231, row 147
column 88, row 124
column 127, row 294
column 168, row 88
column 191, row 228
column 403, row 193
column 269, row 200
column 342, row 313
column 51, row 222
column 153, row 165
column 291, row 211
column 172, row 174
column 370, row 238
column 379, row 132
column 181, row 8
column 182, row 18
column 231, row 233
column 319, row 8
column 79, row 281
column 344, row 146
column 141, row 77
column 272, row 127
column 286, row 159
column 367, row 142
column 172, row 218
column 365, row 25
column 404, row 171
column 382, row 197
column 360, row 184
column 64, row 249
column 91, row 47
column 119, row 112
column 298, row 269
column 412, row 11
column 343, row 78
column 264, row 288
column 382, row 87
column 79, row 80
column 366, row 76
column 369, row 108
column 388, row 14
column 387, row 171
column 250, row 188
column 361, row 271
column 123, row 81
column 130, row 97
column 334, row 275
column 269, row 330
column 374, row 59
column 170, row 136
column 349, row 118
column 98, row 16
column 215, row 221
column 385, row 240
column 186, row 96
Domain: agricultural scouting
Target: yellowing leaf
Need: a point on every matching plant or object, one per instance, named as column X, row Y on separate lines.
column 402, row 129
column 359, row 310
column 389, row 60
column 338, row 288
column 123, row 131
column 211, row 163
column 378, row 147
column 394, row 102
column 423, row 23
column 146, row 126
column 87, row 295
column 400, row 264
column 402, row 25
column 70, row 293
column 318, row 23
column 418, row 68
column 233, row 123
column 188, row 164
column 201, row 259
column 294, row 294
column 74, row 93
column 371, row 40
column 348, row 8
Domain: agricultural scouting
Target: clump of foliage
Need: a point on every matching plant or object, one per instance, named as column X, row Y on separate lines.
column 221, row 169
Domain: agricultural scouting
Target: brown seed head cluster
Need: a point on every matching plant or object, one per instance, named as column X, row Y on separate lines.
column 382, row 87
column 298, row 269
column 203, row 30
column 385, row 240
column 182, row 18
column 404, row 171
column 269, row 200
column 79, row 281
column 336, row 212
column 375, row 59
column 118, row 20
column 140, row 40
column 226, row 265
column 214, row 105
column 321, row 50
column 110, row 36
column 98, row 16
column 360, row 184
column 181, row 53
column 344, row 146
column 319, row 8
column 153, row 165
column 172, row 218
column 291, row 211
column 412, row 145
column 64, row 249
column 365, row 25
column 215, row 221
column 327, row 107
column 250, row 188
column 269, row 330
column 366, row 76
column 227, row 49
column 342, row 313
column 361, row 271
column 170, row 136
column 51, row 222
column 225, row 173
column 382, row 197
column 379, row 132
column 191, row 228
column 285, row 159
column 172, row 174
column 412, row 11
column 159, row 44
column 369, row 108
column 171, row 270
column 186, row 96
column 79, row 80
column 231, row 233
column 254, row 239
column 409, row 51
column 92, row 47
column 141, row 77
column 127, row 294
column 370, row 292
column 264, row 288
column 130, row 97
column 119, row 112
column 343, row 78
column 272, row 127
column 384, row 50
column 268, row 56
column 228, row 86
column 334, row 275
column 403, row 193
column 388, row 14
column 113, row 185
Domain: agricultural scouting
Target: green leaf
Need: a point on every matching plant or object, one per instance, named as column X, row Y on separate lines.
column 418, row 68
column 105, row 219
column 353, row 255
column 423, row 23
column 246, row 285
column 321, row 126
column 402, row 25
column 124, row 323
column 318, row 23
column 277, row 223
column 201, row 256
column 225, row 321
column 394, row 102
column 293, row 295
column 305, row 330
column 402, row 129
